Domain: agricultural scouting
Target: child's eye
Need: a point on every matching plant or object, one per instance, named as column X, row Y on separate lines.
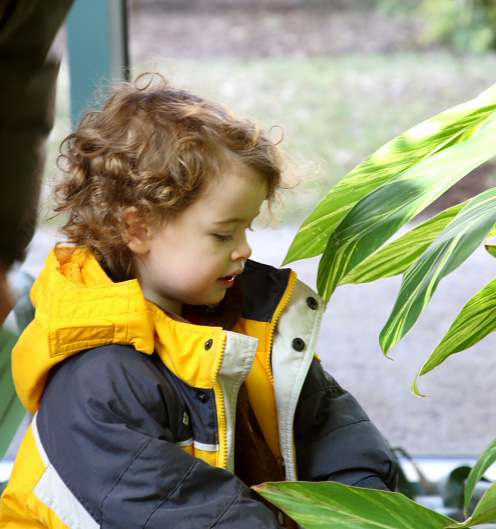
column 223, row 238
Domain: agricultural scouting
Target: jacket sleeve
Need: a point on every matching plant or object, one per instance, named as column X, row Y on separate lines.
column 335, row 440
column 106, row 425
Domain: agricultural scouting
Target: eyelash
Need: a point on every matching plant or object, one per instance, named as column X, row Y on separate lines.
column 223, row 238
column 230, row 237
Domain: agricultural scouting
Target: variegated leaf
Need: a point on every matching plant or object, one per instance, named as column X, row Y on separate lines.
column 476, row 320
column 399, row 255
column 453, row 126
column 374, row 219
column 333, row 505
column 447, row 252
column 487, row 458
column 485, row 511
column 491, row 248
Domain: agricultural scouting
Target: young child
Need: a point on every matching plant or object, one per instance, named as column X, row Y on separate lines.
column 169, row 373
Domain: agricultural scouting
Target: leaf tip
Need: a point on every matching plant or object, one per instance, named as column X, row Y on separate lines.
column 414, row 387
column 385, row 348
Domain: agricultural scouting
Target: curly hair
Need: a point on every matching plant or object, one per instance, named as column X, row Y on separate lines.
column 154, row 148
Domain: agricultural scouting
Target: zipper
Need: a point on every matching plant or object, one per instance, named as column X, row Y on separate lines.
column 219, row 396
column 277, row 314
column 221, row 408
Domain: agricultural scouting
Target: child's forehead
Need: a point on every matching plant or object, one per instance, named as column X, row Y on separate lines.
column 228, row 164
column 233, row 196
column 234, row 177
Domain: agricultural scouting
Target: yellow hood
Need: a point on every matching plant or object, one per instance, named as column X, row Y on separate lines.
column 77, row 307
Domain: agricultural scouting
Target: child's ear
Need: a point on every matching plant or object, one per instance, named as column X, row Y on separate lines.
column 135, row 231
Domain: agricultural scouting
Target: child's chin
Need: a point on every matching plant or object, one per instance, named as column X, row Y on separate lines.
column 215, row 300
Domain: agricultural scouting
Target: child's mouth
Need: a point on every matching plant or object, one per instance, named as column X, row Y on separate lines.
column 226, row 281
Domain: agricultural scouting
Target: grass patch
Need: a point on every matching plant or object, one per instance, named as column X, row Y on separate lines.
column 335, row 110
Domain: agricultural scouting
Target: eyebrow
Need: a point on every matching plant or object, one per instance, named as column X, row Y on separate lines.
column 229, row 221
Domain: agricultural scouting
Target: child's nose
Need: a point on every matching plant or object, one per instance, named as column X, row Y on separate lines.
column 242, row 251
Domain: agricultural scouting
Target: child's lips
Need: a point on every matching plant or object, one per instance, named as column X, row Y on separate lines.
column 228, row 281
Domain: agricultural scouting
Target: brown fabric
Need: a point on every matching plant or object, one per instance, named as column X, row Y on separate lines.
column 27, row 101
column 254, row 462
column 226, row 314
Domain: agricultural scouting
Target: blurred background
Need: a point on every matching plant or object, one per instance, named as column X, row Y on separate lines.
column 340, row 78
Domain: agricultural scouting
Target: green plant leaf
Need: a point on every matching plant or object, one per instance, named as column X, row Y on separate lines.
column 451, row 487
column 374, row 219
column 491, row 248
column 476, row 320
column 492, row 233
column 487, row 458
column 485, row 511
column 400, row 254
column 451, row 248
column 327, row 504
column 439, row 132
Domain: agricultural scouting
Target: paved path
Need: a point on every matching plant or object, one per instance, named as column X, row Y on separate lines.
column 458, row 417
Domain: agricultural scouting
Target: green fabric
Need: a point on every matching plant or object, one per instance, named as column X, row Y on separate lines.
column 12, row 412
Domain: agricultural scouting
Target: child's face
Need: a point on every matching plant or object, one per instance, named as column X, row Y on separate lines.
column 195, row 257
